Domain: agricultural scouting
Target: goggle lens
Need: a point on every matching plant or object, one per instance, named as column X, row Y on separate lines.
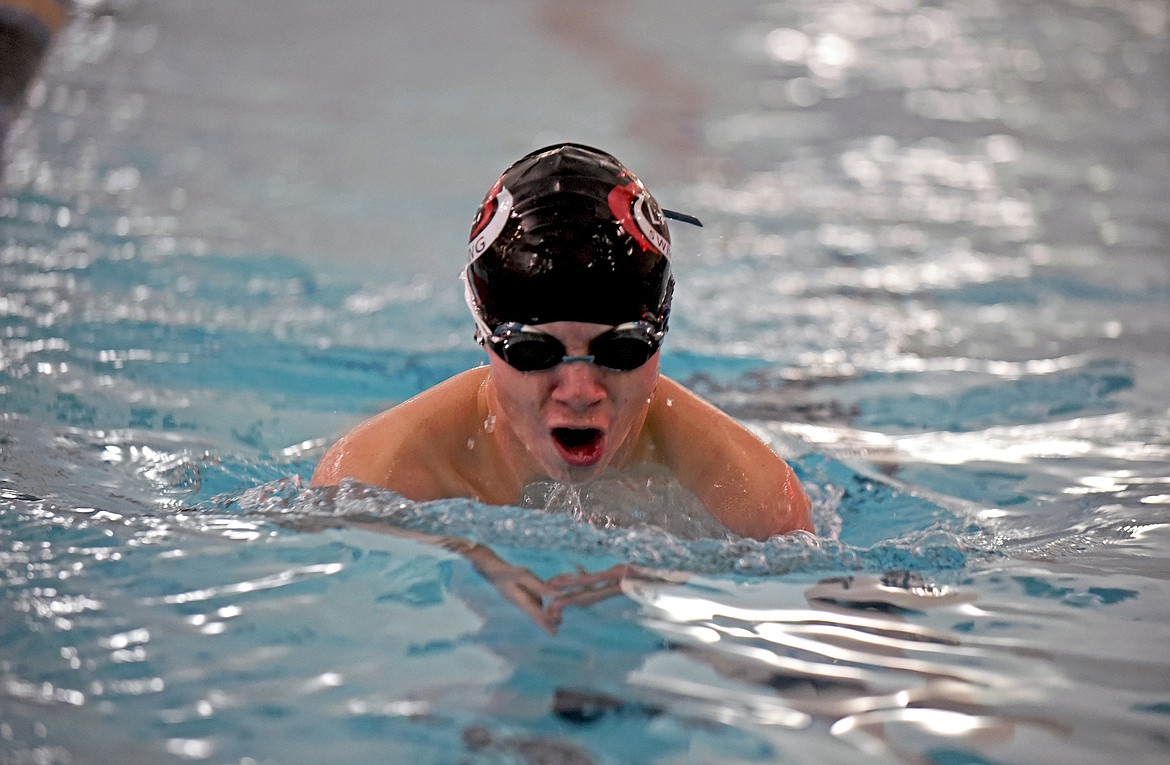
column 622, row 349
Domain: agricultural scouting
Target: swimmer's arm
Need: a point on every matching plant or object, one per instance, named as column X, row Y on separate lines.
column 516, row 583
column 544, row 601
column 343, row 460
column 744, row 484
column 408, row 448
column 373, row 453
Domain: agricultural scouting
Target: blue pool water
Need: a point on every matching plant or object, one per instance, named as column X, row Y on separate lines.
column 933, row 276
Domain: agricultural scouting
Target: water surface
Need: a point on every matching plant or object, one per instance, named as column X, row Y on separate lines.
column 933, row 276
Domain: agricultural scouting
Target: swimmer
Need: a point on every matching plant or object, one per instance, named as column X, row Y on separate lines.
column 570, row 285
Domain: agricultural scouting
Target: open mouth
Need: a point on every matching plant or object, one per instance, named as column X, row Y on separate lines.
column 579, row 446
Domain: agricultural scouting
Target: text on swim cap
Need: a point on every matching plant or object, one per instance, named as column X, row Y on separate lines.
column 496, row 210
column 637, row 215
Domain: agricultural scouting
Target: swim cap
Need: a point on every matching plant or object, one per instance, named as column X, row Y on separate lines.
column 568, row 233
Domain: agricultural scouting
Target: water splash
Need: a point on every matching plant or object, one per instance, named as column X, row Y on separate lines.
column 567, row 528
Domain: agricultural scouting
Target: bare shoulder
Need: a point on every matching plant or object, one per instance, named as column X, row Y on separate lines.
column 685, row 420
column 406, row 447
column 676, row 399
column 688, row 428
column 745, row 485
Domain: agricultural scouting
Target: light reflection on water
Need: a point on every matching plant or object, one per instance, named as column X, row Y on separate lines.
column 932, row 275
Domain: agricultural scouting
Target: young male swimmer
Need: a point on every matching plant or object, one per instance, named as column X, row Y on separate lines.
column 570, row 284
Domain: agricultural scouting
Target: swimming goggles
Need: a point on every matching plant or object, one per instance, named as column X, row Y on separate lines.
column 623, row 348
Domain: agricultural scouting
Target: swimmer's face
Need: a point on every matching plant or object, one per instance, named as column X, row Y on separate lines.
column 575, row 419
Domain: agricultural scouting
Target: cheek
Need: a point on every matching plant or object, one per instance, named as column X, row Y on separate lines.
column 519, row 395
column 645, row 380
column 636, row 392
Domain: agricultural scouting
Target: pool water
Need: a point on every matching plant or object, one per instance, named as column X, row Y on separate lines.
column 933, row 276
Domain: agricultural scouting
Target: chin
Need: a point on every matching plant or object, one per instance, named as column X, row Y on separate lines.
column 577, row 474
column 559, row 470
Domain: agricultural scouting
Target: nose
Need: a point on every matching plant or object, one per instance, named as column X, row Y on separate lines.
column 577, row 384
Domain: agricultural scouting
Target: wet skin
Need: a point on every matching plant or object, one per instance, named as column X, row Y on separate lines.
column 573, row 421
column 489, row 432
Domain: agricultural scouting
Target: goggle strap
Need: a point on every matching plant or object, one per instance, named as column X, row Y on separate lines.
column 682, row 217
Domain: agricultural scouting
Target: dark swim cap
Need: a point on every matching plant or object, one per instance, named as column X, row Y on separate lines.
column 569, row 234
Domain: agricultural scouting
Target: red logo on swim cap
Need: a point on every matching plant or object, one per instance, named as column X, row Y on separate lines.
column 487, row 209
column 639, row 216
column 493, row 215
